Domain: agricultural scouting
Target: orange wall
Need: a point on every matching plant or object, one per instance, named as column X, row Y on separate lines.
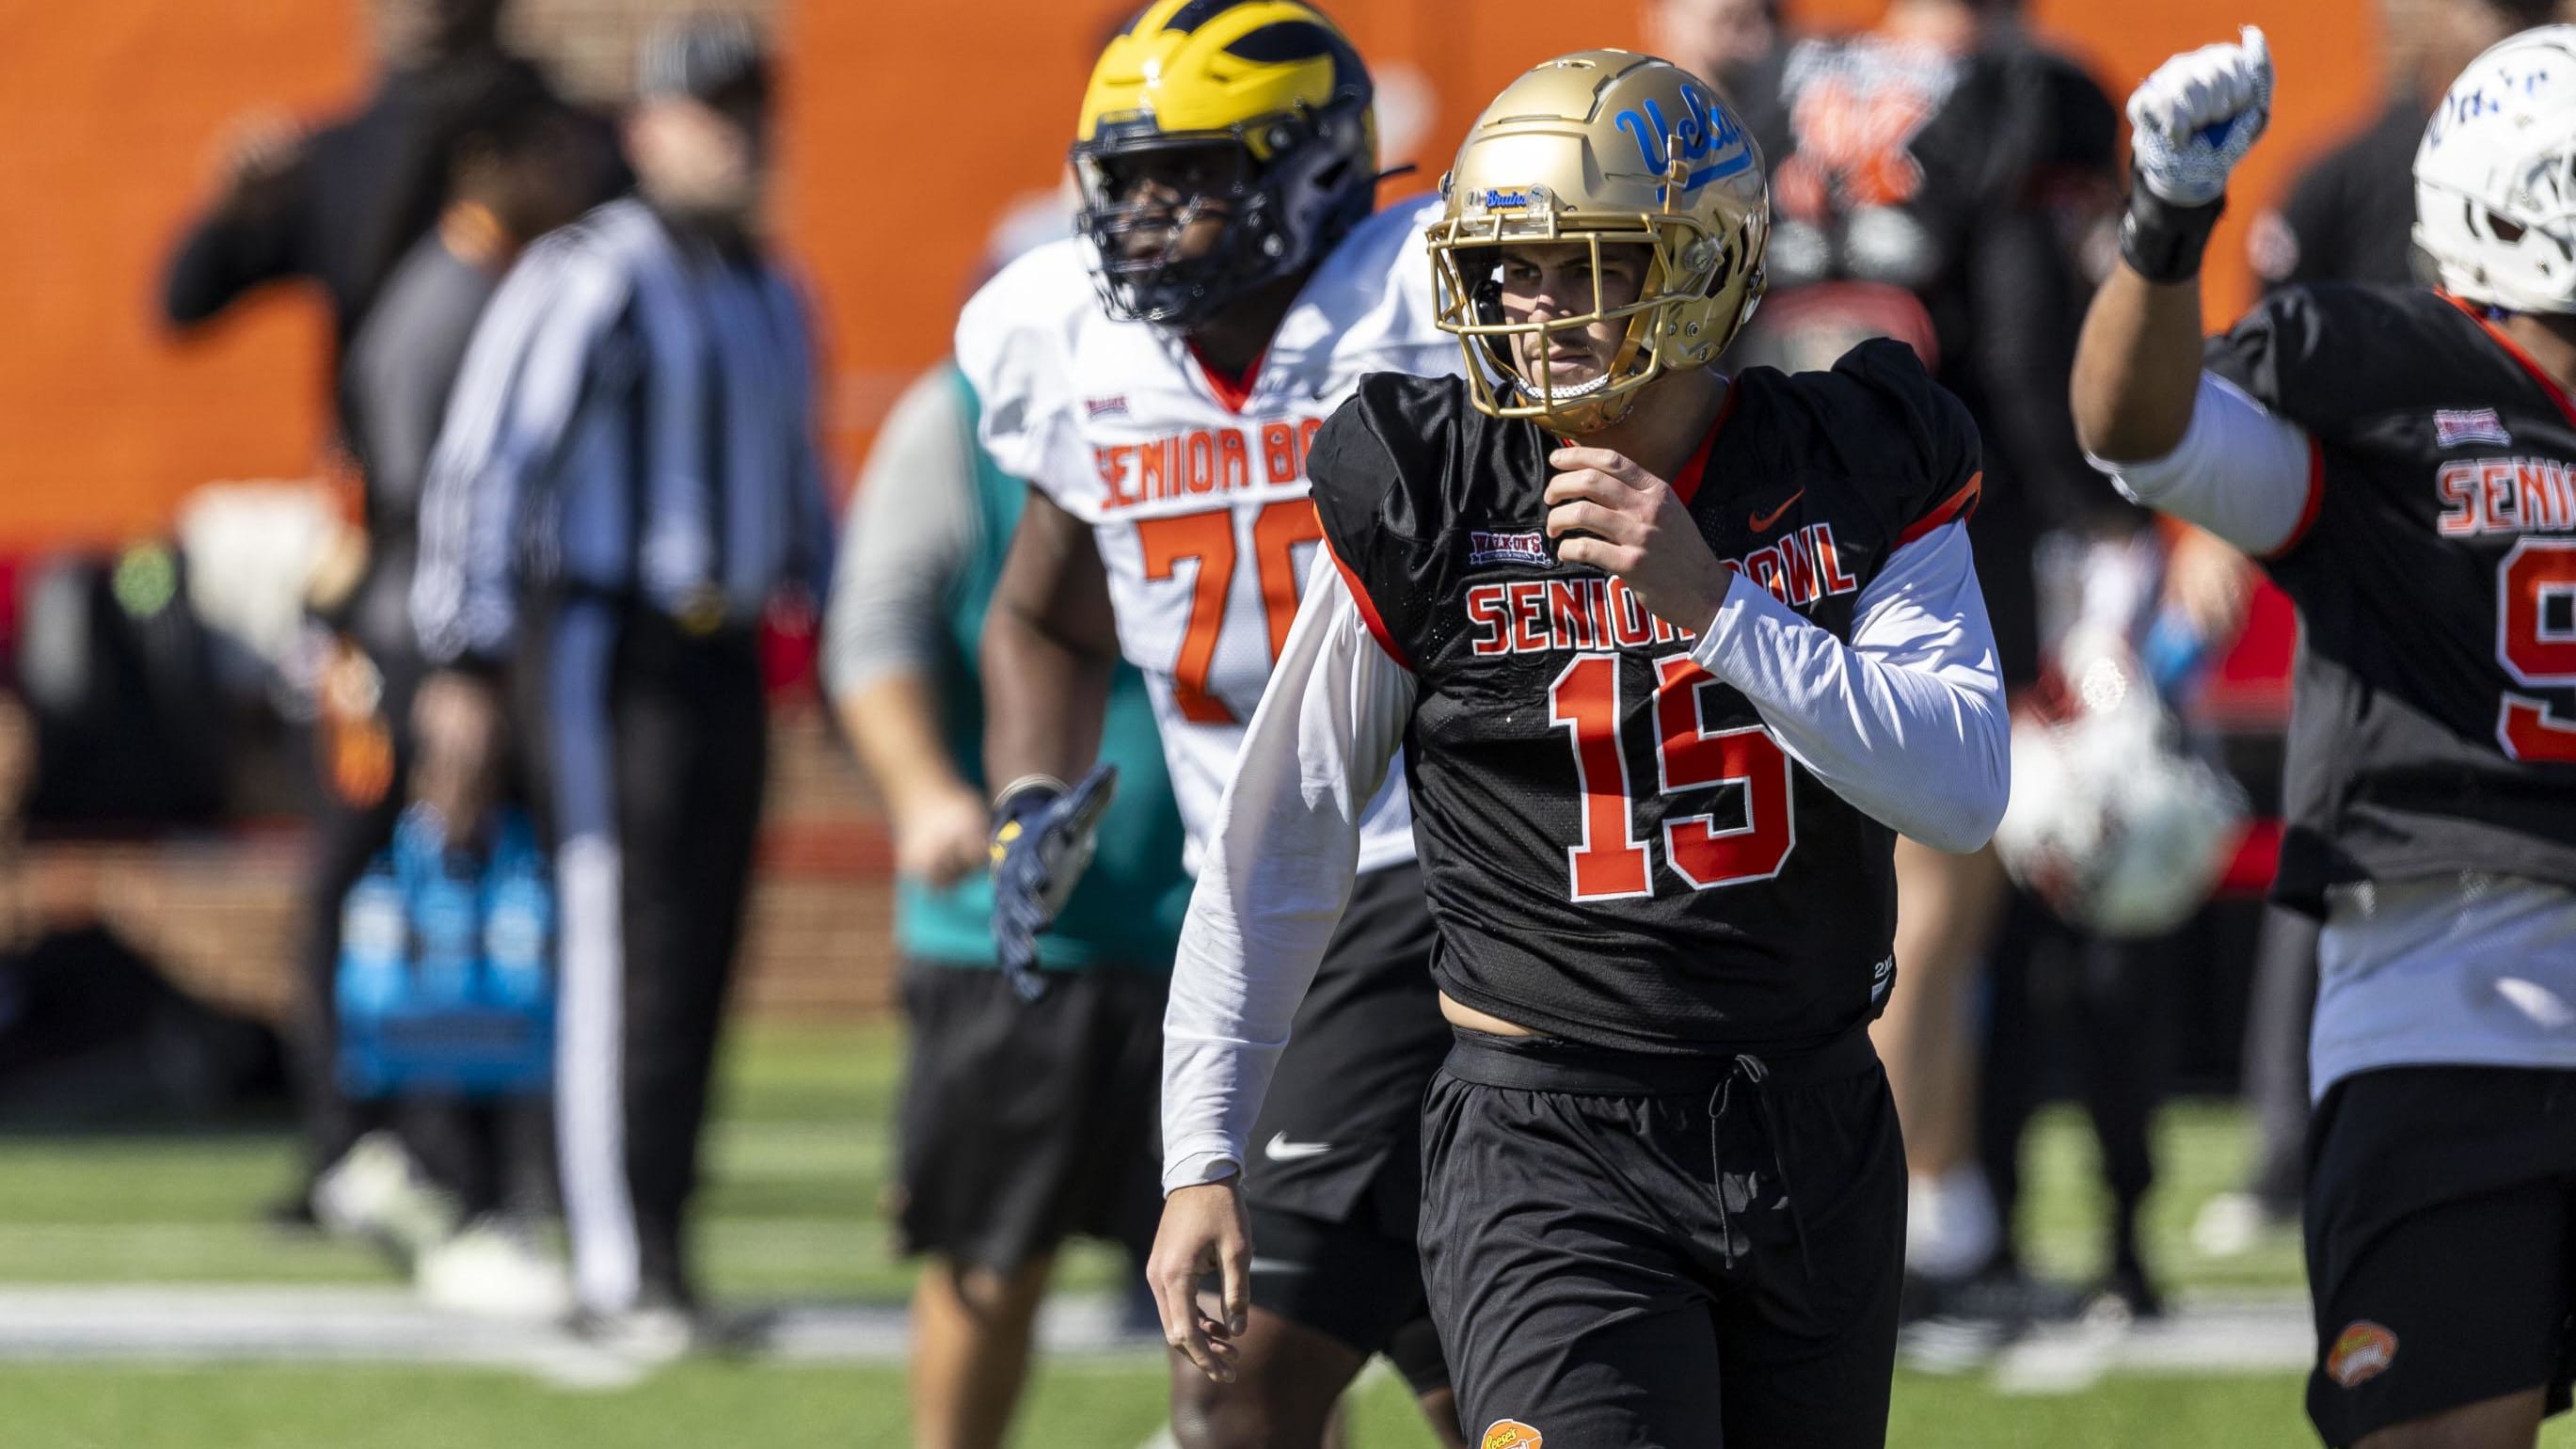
column 905, row 139
column 114, row 109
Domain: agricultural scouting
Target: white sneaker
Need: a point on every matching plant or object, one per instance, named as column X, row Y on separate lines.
column 2230, row 1224
column 490, row 1270
column 376, row 1191
column 648, row 1336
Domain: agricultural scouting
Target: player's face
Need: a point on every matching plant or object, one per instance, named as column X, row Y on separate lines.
column 1544, row 282
column 700, row 159
column 1182, row 196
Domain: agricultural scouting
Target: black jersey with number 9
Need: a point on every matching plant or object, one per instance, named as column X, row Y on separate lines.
column 2434, row 729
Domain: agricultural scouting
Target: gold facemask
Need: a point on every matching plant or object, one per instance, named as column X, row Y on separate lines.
column 1606, row 148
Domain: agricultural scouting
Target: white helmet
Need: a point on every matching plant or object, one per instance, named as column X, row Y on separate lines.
column 2495, row 177
column 2109, row 825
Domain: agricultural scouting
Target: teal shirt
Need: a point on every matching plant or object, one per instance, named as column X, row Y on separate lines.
column 1127, row 911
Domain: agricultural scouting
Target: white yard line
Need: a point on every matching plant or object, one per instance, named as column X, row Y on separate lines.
column 203, row 1325
column 192, row 1325
column 2199, row 1335
column 214, row 1325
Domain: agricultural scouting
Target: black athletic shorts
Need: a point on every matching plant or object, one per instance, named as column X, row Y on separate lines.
column 1025, row 1123
column 1686, row 1252
column 1359, row 1284
column 1336, row 1154
column 2441, row 1205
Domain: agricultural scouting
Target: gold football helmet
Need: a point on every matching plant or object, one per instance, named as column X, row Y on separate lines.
column 1610, row 148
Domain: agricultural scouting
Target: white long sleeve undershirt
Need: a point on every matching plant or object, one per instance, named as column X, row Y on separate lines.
column 2241, row 471
column 1906, row 722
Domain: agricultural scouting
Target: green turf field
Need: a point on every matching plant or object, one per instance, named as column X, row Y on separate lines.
column 799, row 1164
column 1070, row 1408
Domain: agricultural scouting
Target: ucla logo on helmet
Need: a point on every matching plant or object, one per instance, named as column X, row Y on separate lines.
column 1497, row 197
column 1704, row 139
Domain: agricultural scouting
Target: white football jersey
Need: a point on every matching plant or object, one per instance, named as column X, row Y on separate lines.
column 1197, row 497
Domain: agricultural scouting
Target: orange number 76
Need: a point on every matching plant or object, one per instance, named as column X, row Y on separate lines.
column 1209, row 538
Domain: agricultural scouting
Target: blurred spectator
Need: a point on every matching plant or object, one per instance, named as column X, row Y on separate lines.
column 1023, row 1123
column 341, row 204
column 627, row 474
column 519, row 164
column 1737, row 46
column 1938, row 181
column 2348, row 217
column 339, row 207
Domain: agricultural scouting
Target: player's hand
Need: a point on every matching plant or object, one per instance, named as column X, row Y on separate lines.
column 942, row 840
column 2196, row 117
column 1042, row 841
column 1605, row 511
column 1204, row 1230
column 456, row 719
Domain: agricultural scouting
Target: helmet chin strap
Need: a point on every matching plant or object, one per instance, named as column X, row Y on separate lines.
column 1578, row 390
column 1584, row 408
column 1610, row 410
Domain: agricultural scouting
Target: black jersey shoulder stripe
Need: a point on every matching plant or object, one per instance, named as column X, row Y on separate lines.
column 1959, row 507
column 2307, row 511
column 1368, row 610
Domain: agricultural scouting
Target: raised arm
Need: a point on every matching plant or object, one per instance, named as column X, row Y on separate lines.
column 2137, row 365
column 2173, row 436
column 249, row 235
column 1906, row 721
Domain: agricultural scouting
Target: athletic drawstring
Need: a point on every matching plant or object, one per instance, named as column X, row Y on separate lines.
column 1754, row 1072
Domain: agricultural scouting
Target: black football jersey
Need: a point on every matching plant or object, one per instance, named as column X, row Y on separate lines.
column 1614, row 849
column 2434, row 723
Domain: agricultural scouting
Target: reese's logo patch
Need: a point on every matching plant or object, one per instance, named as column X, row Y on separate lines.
column 1508, row 1434
column 2361, row 1352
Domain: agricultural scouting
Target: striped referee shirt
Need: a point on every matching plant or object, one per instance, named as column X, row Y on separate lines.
column 634, row 418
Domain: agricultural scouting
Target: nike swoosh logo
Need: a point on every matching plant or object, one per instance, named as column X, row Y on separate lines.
column 1280, row 1149
column 1761, row 521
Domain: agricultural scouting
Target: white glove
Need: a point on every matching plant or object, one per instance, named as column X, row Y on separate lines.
column 2196, row 117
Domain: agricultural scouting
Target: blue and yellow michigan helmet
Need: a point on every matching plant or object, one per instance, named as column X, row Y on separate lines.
column 1255, row 114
